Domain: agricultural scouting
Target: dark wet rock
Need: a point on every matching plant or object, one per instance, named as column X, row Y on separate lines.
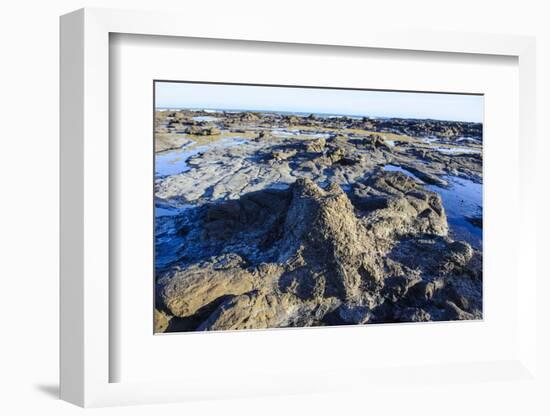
column 475, row 221
column 371, row 203
column 257, row 209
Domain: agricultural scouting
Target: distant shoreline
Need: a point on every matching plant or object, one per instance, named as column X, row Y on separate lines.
column 302, row 113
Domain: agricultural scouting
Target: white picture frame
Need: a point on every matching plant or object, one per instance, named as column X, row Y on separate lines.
column 85, row 219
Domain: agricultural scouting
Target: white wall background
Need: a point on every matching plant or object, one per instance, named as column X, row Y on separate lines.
column 29, row 56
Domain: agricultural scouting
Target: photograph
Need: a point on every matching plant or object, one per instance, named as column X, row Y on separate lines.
column 298, row 206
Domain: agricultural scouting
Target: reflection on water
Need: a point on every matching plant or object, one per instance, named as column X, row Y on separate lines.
column 393, row 168
column 463, row 199
column 175, row 161
column 168, row 211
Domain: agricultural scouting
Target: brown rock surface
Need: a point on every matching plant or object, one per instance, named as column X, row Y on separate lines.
column 189, row 290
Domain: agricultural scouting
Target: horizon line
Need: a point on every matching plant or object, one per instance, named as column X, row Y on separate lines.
column 240, row 110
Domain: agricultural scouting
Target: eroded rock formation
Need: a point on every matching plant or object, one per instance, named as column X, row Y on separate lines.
column 308, row 256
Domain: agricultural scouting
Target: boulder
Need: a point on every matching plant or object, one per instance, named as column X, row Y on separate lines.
column 187, row 291
column 249, row 117
column 252, row 310
column 203, row 131
column 336, row 154
column 316, row 145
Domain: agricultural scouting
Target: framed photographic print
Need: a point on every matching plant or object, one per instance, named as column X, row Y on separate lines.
column 309, row 214
column 280, row 206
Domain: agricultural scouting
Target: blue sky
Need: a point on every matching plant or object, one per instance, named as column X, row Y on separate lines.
column 313, row 100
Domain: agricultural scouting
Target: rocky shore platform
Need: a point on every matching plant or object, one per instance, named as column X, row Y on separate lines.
column 270, row 220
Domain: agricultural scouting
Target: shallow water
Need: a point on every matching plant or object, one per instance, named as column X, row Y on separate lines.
column 167, row 240
column 166, row 211
column 205, row 118
column 462, row 199
column 175, row 161
column 455, row 150
column 281, row 132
